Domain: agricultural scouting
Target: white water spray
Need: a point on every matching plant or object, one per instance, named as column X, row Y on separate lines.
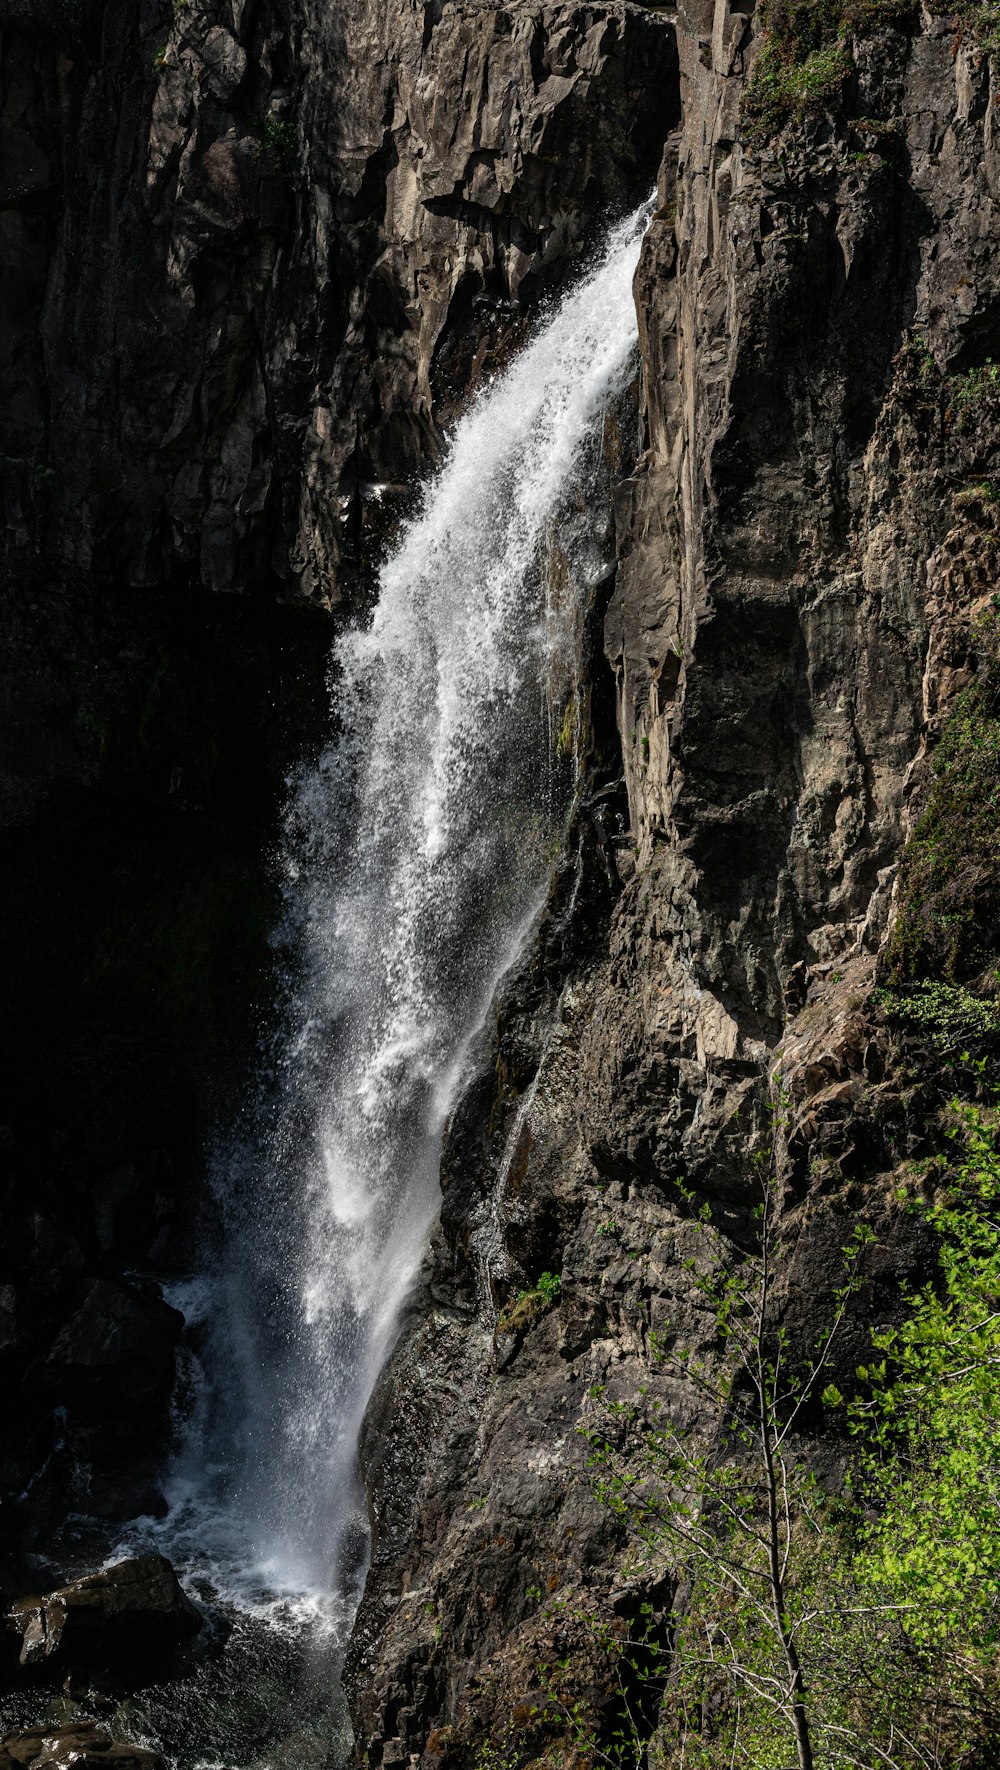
column 419, row 852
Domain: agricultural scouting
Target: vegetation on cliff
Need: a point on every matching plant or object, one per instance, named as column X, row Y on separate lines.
column 850, row 1623
column 806, row 56
column 949, row 881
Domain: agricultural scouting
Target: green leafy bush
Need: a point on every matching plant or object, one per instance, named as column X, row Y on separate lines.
column 953, row 1019
column 933, row 1422
column 839, row 1631
column 521, row 1313
column 971, row 390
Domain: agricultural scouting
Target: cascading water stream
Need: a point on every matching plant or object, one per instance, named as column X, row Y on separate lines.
column 419, row 852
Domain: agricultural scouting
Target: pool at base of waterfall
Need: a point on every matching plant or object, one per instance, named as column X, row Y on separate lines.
column 255, row 1690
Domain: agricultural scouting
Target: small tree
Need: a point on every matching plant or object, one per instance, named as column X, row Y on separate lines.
column 735, row 1518
column 857, row 1632
column 930, row 1425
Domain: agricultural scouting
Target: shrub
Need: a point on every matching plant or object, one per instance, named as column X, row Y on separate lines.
column 521, row 1313
column 952, row 1017
column 971, row 390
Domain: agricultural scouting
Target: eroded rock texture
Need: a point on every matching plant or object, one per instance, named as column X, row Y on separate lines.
column 250, row 258
column 790, row 622
column 240, row 246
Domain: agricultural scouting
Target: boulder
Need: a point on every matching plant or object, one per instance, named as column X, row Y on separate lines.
column 131, row 1610
column 84, row 1744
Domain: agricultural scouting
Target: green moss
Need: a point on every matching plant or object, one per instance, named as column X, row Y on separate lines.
column 521, row 1313
column 806, row 57
column 566, row 735
column 948, row 924
column 781, row 89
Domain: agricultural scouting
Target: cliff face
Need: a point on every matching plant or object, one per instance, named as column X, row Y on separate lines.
column 790, row 621
column 241, row 248
column 252, row 259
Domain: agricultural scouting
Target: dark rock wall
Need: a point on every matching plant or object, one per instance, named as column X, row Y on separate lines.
column 236, row 248
column 250, row 261
column 789, row 623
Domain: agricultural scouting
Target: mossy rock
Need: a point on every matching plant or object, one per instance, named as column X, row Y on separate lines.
column 948, row 921
column 806, row 57
column 522, row 1311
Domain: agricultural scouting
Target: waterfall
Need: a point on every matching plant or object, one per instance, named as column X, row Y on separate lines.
column 418, row 853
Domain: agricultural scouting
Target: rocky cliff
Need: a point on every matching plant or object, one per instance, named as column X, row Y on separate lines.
column 800, row 562
column 254, row 258
column 250, row 263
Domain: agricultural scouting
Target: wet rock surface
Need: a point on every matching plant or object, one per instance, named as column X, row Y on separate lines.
column 123, row 1613
column 85, row 1743
column 248, row 266
column 263, row 244
column 252, row 261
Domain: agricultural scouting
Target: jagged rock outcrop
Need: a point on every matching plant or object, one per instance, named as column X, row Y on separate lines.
column 252, row 261
column 254, row 243
column 790, row 622
column 124, row 1613
column 85, row 1744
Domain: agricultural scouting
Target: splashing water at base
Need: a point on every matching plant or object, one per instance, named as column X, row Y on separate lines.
column 419, row 853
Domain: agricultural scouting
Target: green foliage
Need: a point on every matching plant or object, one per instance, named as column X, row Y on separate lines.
column 953, row 1019
column 806, row 57
column 932, row 1422
column 782, row 89
column 566, row 737
column 981, row 18
column 840, row 1632
column 517, row 1316
column 980, row 499
column 733, row 1520
column 548, row 1287
column 280, row 137
column 949, row 878
column 969, row 391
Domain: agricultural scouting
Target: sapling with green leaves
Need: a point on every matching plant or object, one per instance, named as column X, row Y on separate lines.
column 929, row 1416
column 733, row 1517
column 850, row 1631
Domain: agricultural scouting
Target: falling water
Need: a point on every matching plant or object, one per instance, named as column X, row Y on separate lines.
column 419, row 851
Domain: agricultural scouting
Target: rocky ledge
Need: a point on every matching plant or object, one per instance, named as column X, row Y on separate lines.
column 129, row 1612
